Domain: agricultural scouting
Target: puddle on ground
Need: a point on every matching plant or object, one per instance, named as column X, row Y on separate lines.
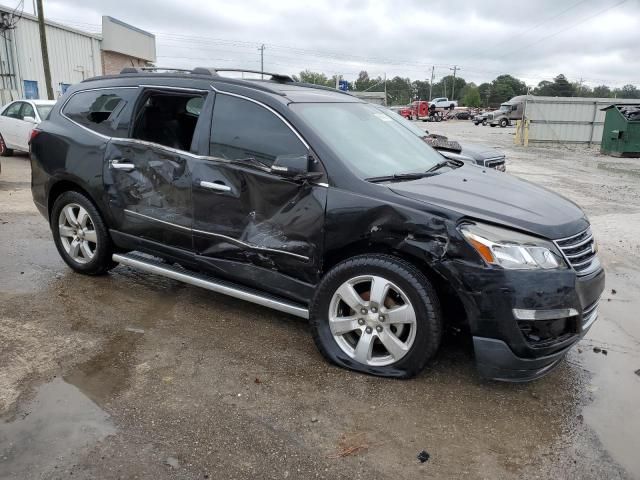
column 107, row 373
column 615, row 386
column 54, row 426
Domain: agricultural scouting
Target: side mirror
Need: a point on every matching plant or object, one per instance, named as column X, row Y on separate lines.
column 29, row 119
column 295, row 167
column 291, row 166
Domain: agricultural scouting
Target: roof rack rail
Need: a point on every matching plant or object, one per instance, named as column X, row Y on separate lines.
column 152, row 69
column 212, row 72
column 278, row 77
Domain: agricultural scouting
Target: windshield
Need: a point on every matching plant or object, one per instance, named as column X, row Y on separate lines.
column 405, row 123
column 43, row 111
column 368, row 140
column 505, row 107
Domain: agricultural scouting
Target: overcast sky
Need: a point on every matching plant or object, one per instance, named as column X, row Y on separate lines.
column 596, row 40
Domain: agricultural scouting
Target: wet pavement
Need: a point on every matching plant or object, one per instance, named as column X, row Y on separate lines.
column 134, row 376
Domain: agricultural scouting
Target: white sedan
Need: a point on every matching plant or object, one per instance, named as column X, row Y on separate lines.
column 17, row 119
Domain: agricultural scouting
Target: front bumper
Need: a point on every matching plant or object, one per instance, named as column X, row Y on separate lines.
column 496, row 361
column 512, row 350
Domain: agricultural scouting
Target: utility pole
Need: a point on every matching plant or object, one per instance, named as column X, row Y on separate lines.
column 385, row 89
column 433, row 69
column 45, row 52
column 261, row 48
column 580, row 87
column 453, row 88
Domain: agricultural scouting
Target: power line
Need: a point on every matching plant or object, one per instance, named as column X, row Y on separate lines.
column 599, row 12
column 535, row 27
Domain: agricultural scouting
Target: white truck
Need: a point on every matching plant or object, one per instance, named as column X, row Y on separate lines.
column 442, row 102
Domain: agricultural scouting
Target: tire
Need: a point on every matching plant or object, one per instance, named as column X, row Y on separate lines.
column 72, row 233
column 4, row 151
column 504, row 122
column 476, row 123
column 420, row 340
column 451, row 107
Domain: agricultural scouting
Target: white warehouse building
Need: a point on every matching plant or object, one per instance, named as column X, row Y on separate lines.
column 73, row 54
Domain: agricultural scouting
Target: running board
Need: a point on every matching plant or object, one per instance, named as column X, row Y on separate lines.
column 214, row 284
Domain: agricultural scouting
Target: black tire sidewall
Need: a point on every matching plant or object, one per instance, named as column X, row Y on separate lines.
column 421, row 295
column 4, row 150
column 101, row 262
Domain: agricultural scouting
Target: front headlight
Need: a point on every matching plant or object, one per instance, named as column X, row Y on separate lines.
column 511, row 250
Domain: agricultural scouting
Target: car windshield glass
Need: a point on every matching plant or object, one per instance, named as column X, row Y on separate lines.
column 405, row 123
column 43, row 110
column 368, row 140
column 505, row 108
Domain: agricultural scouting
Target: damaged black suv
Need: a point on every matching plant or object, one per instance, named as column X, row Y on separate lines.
column 311, row 202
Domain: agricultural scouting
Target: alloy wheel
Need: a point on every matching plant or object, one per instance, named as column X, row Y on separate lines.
column 372, row 320
column 77, row 233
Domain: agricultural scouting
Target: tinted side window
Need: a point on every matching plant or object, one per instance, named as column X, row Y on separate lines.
column 13, row 110
column 27, row 111
column 242, row 130
column 99, row 109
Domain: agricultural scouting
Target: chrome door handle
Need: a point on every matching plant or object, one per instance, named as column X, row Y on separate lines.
column 215, row 186
column 122, row 165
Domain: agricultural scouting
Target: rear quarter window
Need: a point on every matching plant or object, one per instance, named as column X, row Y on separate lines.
column 103, row 111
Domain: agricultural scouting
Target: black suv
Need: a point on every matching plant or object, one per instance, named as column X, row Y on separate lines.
column 309, row 201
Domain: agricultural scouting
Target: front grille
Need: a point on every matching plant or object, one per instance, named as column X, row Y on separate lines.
column 590, row 314
column 580, row 251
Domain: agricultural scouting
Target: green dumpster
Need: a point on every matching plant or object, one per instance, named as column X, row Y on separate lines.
column 621, row 133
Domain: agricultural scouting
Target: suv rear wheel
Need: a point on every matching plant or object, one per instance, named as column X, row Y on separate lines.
column 377, row 314
column 80, row 234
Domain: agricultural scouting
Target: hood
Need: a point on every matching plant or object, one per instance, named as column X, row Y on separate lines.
column 484, row 194
column 479, row 152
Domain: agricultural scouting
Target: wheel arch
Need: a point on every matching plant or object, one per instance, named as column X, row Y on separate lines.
column 453, row 307
column 62, row 186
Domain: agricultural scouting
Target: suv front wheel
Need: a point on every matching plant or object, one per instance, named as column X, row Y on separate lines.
column 80, row 234
column 377, row 314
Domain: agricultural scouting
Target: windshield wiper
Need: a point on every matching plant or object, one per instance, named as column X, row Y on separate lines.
column 446, row 163
column 398, row 177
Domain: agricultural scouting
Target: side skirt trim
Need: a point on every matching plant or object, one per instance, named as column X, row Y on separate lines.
column 218, row 286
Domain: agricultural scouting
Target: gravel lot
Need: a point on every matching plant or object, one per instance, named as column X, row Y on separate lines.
column 134, row 376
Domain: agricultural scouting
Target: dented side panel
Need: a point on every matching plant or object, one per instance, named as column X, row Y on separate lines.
column 354, row 219
column 152, row 200
column 261, row 219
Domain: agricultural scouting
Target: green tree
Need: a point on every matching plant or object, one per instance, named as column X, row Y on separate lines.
column 313, row 77
column 601, row 91
column 484, row 89
column 472, row 98
column 505, row 87
column 420, row 90
column 399, row 91
column 544, row 89
column 628, row 91
column 582, row 90
column 560, row 87
column 363, row 82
